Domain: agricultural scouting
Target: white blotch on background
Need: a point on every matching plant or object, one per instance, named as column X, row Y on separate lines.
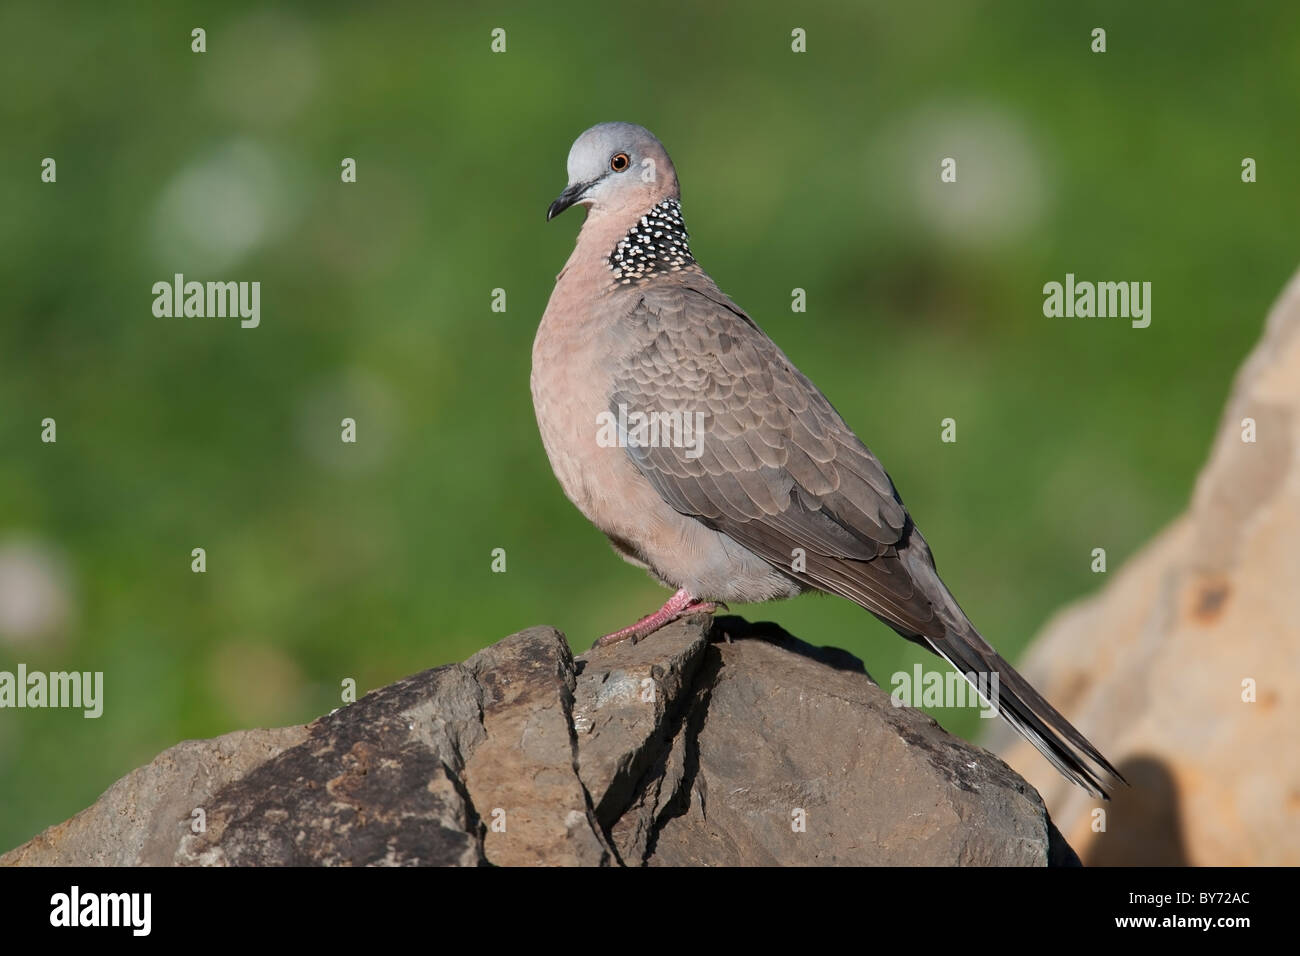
column 221, row 207
column 999, row 193
column 35, row 593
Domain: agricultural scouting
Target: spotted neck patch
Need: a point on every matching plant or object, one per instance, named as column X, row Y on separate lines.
column 657, row 243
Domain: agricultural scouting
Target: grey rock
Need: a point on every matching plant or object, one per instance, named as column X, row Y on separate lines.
column 797, row 762
column 629, row 701
column 141, row 819
column 523, row 777
column 376, row 783
column 710, row 743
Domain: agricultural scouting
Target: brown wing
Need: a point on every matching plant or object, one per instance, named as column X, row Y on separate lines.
column 777, row 468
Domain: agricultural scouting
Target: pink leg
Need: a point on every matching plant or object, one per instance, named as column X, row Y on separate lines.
column 679, row 605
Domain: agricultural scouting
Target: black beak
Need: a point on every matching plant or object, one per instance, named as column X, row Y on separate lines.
column 566, row 199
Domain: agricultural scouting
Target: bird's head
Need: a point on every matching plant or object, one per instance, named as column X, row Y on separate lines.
column 617, row 168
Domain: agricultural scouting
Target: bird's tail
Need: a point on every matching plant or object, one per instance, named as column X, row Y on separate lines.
column 1028, row 711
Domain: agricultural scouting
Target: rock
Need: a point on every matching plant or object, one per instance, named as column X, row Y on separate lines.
column 1155, row 668
column 779, row 735
column 376, row 783
column 684, row 749
column 524, row 774
column 630, row 701
column 140, row 820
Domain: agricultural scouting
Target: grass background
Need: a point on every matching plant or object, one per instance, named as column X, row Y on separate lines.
column 815, row 170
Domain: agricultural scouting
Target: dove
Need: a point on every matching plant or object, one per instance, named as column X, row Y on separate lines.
column 685, row 434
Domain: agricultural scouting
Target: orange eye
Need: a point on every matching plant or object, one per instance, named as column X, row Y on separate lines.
column 619, row 162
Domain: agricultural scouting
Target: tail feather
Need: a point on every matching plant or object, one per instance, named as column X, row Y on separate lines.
column 1029, row 712
column 904, row 590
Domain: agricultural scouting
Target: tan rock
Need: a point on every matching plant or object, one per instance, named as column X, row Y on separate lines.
column 1154, row 669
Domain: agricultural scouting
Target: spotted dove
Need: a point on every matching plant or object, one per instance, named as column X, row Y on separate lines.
column 690, row 439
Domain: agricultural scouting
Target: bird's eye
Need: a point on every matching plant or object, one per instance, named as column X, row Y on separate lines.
column 619, row 162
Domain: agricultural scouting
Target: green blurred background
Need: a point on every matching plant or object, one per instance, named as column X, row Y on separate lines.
column 815, row 170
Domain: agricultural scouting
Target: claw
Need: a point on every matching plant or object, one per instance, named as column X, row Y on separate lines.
column 679, row 605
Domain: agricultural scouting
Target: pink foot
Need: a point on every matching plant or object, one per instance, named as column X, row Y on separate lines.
column 679, row 605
